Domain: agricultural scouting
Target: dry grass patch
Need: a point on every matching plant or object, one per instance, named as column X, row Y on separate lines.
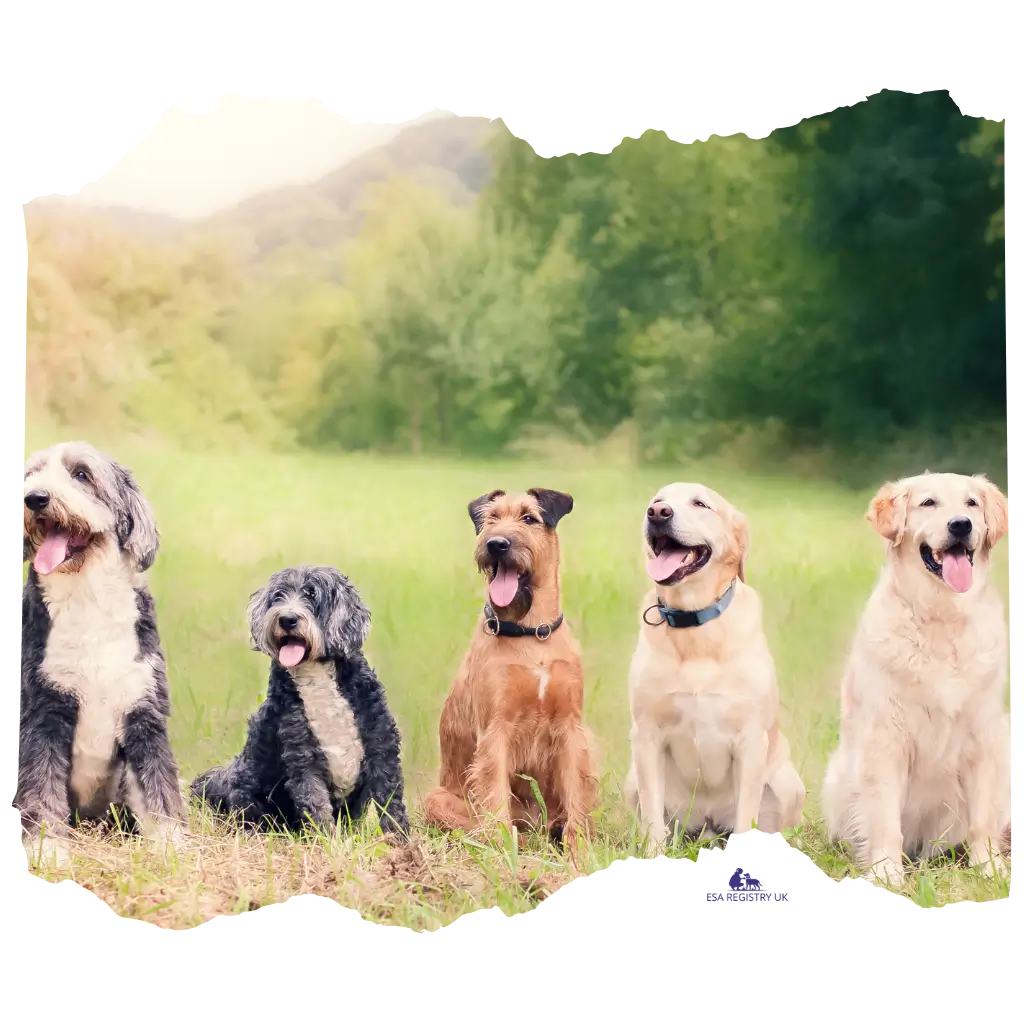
column 218, row 869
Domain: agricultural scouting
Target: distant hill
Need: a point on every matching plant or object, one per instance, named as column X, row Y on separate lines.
column 449, row 154
column 140, row 222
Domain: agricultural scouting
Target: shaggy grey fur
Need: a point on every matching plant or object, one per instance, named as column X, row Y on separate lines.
column 288, row 771
column 93, row 678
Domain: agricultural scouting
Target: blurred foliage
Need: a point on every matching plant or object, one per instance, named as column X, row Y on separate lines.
column 837, row 288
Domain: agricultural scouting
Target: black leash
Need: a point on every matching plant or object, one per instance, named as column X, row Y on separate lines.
column 499, row 627
column 679, row 618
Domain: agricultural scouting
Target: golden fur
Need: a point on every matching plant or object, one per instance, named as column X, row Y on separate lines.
column 707, row 749
column 516, row 705
column 922, row 763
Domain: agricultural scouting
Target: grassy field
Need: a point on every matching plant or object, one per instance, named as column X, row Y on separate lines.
column 399, row 529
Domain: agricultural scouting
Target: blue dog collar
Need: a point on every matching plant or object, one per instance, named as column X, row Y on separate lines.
column 679, row 618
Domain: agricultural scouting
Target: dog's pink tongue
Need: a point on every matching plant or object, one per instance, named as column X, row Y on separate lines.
column 291, row 654
column 503, row 587
column 52, row 552
column 958, row 572
column 661, row 566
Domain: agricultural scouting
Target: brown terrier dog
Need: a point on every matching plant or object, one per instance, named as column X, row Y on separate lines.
column 516, row 706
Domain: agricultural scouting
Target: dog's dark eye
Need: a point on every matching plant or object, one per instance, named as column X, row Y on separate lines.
column 529, row 519
column 971, row 503
column 81, row 476
column 278, row 596
column 308, row 593
column 928, row 503
column 697, row 503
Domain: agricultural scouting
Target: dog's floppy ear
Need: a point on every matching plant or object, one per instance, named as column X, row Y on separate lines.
column 136, row 527
column 254, row 612
column 553, row 504
column 997, row 513
column 348, row 625
column 477, row 506
column 741, row 537
column 887, row 512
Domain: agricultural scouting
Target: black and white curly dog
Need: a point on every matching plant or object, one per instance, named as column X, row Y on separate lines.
column 94, row 695
column 323, row 746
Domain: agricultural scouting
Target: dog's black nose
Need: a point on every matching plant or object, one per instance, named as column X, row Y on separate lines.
column 959, row 526
column 288, row 621
column 498, row 546
column 660, row 512
column 36, row 501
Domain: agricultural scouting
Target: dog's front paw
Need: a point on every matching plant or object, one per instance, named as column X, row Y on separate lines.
column 47, row 851
column 656, row 841
column 886, row 872
column 989, row 863
column 164, row 836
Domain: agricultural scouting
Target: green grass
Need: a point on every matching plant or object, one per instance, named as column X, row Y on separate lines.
column 399, row 529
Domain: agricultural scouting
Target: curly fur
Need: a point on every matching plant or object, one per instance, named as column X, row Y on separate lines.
column 323, row 746
column 94, row 694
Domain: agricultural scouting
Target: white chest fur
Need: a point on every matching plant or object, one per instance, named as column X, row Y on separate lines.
column 332, row 721
column 91, row 653
column 543, row 678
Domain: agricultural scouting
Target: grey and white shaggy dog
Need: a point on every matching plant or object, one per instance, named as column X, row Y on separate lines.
column 323, row 745
column 94, row 695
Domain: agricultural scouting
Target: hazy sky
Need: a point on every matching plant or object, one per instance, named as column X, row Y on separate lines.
column 190, row 164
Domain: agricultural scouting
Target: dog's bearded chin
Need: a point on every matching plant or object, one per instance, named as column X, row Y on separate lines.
column 57, row 546
column 955, row 566
column 503, row 587
column 291, row 654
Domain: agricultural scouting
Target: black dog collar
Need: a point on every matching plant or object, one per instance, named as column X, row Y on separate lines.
column 498, row 627
column 679, row 618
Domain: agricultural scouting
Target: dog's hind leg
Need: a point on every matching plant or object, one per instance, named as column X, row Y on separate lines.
column 44, row 767
column 577, row 786
column 457, row 736
column 782, row 801
column 447, row 807
column 447, row 810
column 214, row 787
column 232, row 789
column 152, row 774
column 987, row 791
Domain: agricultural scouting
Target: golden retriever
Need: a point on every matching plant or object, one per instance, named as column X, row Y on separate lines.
column 706, row 745
column 922, row 763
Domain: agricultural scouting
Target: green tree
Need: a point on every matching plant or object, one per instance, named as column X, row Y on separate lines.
column 460, row 329
column 903, row 329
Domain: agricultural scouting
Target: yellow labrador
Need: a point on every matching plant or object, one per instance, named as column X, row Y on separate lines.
column 707, row 750
column 922, row 763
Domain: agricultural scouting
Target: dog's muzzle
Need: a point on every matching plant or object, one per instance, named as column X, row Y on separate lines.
column 54, row 541
column 292, row 647
column 954, row 564
column 671, row 560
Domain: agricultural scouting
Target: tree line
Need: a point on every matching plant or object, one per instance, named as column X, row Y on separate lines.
column 837, row 286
